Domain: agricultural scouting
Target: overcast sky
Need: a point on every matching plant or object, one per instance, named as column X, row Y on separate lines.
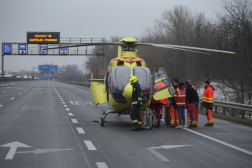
column 82, row 18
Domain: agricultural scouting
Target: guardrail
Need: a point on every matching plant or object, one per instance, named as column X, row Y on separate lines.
column 232, row 108
column 5, row 81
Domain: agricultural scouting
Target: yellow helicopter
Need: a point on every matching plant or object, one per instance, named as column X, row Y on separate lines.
column 115, row 89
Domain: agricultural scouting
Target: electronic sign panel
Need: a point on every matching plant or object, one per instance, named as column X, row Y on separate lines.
column 64, row 50
column 43, row 37
column 42, row 49
column 21, row 49
column 7, row 48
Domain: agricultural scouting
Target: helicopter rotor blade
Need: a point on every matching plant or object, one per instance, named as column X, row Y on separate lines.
column 135, row 44
column 182, row 47
column 184, row 50
column 89, row 44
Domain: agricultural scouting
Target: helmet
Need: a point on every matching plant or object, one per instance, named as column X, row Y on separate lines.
column 133, row 79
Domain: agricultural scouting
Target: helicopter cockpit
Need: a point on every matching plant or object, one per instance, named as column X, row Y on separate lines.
column 119, row 77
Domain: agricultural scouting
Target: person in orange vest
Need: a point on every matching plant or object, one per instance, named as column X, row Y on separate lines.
column 208, row 101
column 192, row 99
column 173, row 108
column 180, row 99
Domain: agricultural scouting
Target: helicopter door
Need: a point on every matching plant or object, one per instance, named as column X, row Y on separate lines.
column 161, row 85
column 98, row 91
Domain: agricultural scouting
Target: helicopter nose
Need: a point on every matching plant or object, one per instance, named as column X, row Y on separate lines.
column 127, row 93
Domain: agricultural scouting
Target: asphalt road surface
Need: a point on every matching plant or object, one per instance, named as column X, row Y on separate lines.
column 48, row 124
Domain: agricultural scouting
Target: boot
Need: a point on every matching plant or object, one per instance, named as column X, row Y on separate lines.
column 209, row 124
column 140, row 127
column 192, row 125
column 135, row 127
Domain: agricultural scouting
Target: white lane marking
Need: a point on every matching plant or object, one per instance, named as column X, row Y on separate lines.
column 159, row 156
column 162, row 158
column 74, row 121
column 20, row 93
column 101, row 165
column 67, row 109
column 12, row 98
column 60, row 98
column 219, row 141
column 41, row 151
column 13, row 148
column 1, row 105
column 25, row 91
column 74, row 133
column 65, row 105
column 80, row 130
column 89, row 145
column 70, row 114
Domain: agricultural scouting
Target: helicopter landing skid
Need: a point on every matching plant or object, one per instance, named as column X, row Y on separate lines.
column 104, row 115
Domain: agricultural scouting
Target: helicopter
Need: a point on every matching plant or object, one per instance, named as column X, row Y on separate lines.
column 116, row 90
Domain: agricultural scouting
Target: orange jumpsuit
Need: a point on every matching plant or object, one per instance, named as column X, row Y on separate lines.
column 208, row 101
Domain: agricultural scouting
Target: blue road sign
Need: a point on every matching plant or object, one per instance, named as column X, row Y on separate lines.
column 73, row 77
column 47, row 75
column 48, row 67
column 7, row 49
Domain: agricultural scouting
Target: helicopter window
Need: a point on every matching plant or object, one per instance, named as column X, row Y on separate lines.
column 119, row 79
column 139, row 64
column 144, row 78
column 161, row 80
column 120, row 63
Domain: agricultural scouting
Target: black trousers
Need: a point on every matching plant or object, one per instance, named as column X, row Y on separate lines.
column 135, row 114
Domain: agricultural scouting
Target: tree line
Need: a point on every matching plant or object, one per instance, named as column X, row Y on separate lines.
column 229, row 31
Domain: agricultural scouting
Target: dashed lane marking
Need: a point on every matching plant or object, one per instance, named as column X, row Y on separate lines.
column 67, row 109
column 74, row 121
column 101, row 165
column 12, row 98
column 74, row 132
column 80, row 130
column 1, row 105
column 70, row 114
column 65, row 105
column 89, row 145
column 25, row 91
column 20, row 93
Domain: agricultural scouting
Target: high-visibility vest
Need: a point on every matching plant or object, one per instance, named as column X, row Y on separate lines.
column 208, row 99
column 180, row 96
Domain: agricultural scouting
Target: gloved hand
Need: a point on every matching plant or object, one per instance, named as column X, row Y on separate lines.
column 139, row 102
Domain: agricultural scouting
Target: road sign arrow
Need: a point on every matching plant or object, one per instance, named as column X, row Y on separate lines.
column 151, row 150
column 39, row 151
column 173, row 146
column 13, row 147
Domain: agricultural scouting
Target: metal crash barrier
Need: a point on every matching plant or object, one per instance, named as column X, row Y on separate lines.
column 243, row 110
column 5, row 81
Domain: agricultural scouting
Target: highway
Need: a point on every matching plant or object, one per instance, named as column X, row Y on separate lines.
column 48, row 124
